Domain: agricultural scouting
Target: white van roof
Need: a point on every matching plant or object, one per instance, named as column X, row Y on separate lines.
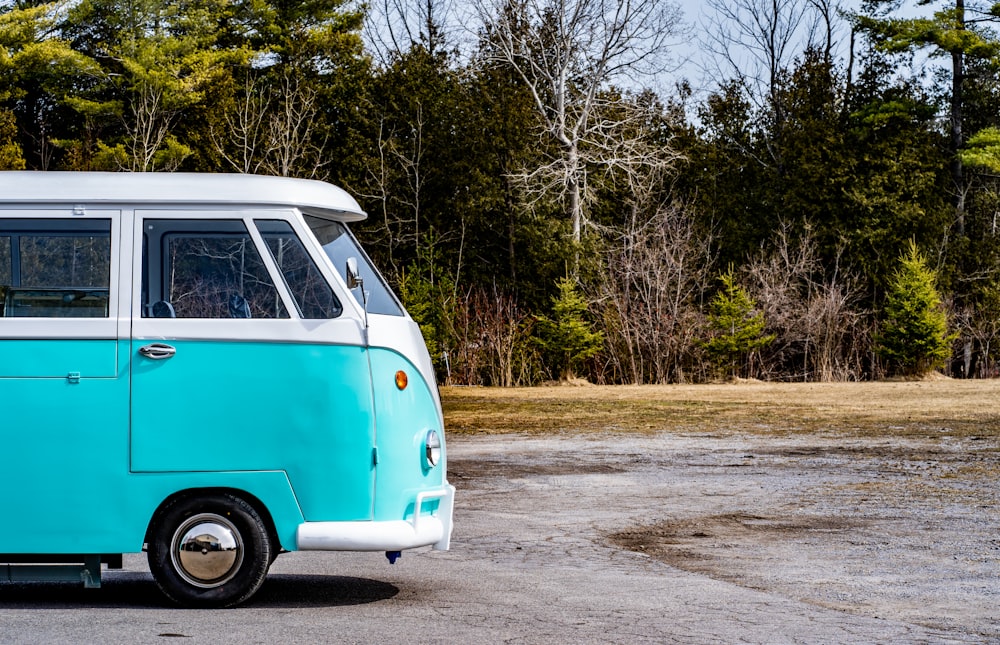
column 150, row 189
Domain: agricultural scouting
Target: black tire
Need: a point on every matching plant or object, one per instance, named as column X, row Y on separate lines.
column 211, row 551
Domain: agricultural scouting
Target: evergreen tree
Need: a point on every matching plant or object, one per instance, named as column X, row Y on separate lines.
column 948, row 32
column 737, row 328
column 38, row 68
column 159, row 63
column 10, row 150
column 568, row 337
column 914, row 338
column 899, row 180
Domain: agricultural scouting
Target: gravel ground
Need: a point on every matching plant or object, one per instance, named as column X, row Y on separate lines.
column 899, row 531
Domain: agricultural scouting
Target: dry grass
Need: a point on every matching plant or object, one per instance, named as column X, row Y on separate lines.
column 935, row 407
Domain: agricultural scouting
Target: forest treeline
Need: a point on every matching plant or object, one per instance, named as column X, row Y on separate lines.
column 827, row 210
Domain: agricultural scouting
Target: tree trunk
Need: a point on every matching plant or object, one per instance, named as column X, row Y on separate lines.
column 957, row 78
column 573, row 189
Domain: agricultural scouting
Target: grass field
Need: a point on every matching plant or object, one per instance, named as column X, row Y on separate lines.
column 937, row 407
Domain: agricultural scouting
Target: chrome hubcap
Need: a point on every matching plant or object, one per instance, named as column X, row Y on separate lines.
column 207, row 550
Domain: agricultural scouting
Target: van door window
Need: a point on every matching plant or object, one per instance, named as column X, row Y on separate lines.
column 313, row 295
column 205, row 269
column 55, row 268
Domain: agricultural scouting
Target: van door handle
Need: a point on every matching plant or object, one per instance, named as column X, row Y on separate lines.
column 157, row 351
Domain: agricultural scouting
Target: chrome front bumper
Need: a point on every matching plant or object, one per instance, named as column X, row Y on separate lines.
column 393, row 535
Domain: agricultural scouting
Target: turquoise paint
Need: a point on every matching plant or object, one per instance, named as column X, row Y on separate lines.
column 247, row 406
column 65, row 483
column 402, row 421
column 65, row 448
column 272, row 488
column 38, row 358
column 289, row 424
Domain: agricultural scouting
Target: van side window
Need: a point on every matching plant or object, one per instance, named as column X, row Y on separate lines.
column 205, row 269
column 4, row 260
column 313, row 295
column 55, row 268
column 339, row 245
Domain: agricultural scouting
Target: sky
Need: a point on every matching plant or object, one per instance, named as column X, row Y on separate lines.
column 692, row 56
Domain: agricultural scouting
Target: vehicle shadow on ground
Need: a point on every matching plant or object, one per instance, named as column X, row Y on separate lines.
column 137, row 590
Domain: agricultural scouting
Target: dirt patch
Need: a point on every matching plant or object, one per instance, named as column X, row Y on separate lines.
column 706, row 544
column 889, row 528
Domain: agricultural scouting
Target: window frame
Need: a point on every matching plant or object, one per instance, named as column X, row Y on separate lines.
column 158, row 252
column 316, row 266
column 84, row 327
column 348, row 328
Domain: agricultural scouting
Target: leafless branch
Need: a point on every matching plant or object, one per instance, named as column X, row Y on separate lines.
column 567, row 53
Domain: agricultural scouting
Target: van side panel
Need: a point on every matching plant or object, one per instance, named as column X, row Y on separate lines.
column 64, row 466
column 403, row 419
column 255, row 406
column 148, row 490
column 64, row 445
column 57, row 359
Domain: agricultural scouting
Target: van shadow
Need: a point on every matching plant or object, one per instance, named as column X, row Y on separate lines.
column 138, row 590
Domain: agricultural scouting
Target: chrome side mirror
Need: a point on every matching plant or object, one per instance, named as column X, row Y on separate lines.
column 352, row 276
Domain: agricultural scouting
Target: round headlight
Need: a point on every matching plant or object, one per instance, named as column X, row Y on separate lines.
column 432, row 448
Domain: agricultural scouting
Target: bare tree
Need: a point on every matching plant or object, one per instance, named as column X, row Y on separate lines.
column 826, row 15
column 980, row 337
column 292, row 146
column 394, row 26
column 400, row 160
column 494, row 344
column 819, row 333
column 568, row 53
column 752, row 41
column 650, row 297
column 243, row 139
column 148, row 121
column 273, row 130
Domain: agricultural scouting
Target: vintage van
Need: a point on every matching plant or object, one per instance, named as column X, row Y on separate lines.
column 207, row 368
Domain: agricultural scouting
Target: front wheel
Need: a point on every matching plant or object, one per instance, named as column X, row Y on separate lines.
column 211, row 551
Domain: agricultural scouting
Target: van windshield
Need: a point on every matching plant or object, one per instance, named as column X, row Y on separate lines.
column 339, row 245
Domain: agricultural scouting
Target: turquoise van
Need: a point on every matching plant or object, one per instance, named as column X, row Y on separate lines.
column 207, row 368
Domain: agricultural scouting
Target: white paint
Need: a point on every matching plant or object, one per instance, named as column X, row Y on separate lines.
column 177, row 190
column 393, row 535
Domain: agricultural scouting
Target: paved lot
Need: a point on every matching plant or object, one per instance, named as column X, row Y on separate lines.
column 729, row 540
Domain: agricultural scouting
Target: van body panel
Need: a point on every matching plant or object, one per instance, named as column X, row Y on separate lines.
column 105, row 512
column 63, row 476
column 403, row 417
column 272, row 488
column 58, row 358
column 227, row 405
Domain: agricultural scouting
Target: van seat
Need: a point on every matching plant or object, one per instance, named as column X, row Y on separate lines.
column 239, row 307
column 163, row 309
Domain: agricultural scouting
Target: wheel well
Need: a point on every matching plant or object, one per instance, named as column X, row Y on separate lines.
column 190, row 493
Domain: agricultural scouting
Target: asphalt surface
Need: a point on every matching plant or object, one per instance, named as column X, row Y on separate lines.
column 532, row 561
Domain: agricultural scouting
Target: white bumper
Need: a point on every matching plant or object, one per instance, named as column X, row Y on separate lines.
column 394, row 535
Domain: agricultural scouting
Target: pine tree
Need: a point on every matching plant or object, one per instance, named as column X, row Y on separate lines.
column 568, row 336
column 737, row 328
column 11, row 157
column 914, row 338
